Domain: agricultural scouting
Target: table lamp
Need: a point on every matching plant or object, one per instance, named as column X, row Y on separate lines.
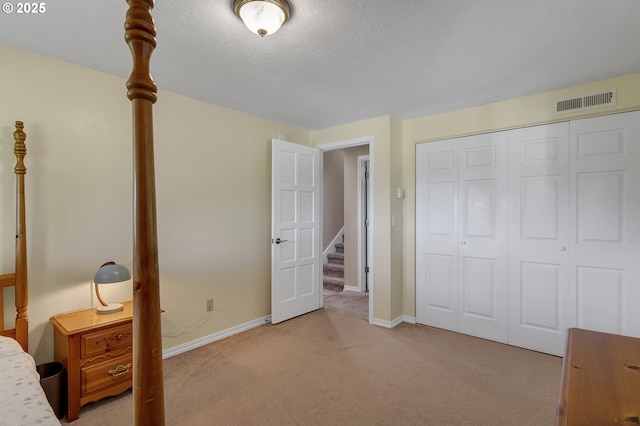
column 110, row 273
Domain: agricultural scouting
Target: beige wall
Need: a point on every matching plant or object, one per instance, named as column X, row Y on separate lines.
column 332, row 195
column 213, row 177
column 521, row 112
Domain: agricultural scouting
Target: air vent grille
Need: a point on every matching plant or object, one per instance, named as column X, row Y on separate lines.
column 569, row 104
column 593, row 100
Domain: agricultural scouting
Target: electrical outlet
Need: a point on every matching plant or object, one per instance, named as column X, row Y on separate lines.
column 209, row 305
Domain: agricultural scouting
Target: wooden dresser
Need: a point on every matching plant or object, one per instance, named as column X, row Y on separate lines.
column 97, row 352
column 600, row 380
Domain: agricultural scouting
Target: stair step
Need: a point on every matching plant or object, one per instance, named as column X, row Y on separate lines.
column 333, row 283
column 340, row 247
column 336, row 258
column 333, row 270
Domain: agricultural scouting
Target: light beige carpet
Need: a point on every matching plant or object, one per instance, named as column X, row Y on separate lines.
column 324, row 368
column 352, row 303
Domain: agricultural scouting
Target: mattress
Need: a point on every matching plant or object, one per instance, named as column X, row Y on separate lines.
column 22, row 400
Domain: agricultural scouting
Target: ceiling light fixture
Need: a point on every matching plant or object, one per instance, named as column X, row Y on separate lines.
column 262, row 17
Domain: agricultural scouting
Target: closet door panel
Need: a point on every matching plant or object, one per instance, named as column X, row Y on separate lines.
column 540, row 209
column 600, row 206
column 440, row 214
column 479, row 209
column 439, row 273
column 605, row 202
column 538, row 237
column 540, row 305
column 478, row 287
column 600, row 295
column 483, row 236
column 437, row 234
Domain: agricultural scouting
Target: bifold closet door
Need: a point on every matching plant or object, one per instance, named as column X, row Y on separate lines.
column 563, row 231
column 605, row 202
column 437, row 242
column 482, row 275
column 539, row 237
column 461, row 241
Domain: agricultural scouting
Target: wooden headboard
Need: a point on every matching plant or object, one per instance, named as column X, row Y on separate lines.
column 18, row 279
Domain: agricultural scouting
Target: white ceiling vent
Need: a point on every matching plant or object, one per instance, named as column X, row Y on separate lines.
column 593, row 100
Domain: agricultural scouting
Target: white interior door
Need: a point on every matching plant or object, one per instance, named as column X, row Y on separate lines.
column 539, row 237
column 605, row 240
column 483, row 236
column 295, row 230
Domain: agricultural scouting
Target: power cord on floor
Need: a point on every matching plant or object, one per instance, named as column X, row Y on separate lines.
column 190, row 329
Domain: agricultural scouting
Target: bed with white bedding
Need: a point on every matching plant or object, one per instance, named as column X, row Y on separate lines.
column 22, row 400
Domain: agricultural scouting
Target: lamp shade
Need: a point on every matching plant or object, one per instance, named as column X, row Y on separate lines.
column 110, row 273
column 262, row 17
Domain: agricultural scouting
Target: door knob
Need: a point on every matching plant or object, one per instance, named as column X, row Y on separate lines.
column 278, row 240
column 464, row 243
column 563, row 249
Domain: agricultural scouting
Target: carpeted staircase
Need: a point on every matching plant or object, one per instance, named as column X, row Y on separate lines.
column 333, row 270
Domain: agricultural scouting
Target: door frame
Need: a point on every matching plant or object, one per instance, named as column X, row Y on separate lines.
column 364, row 231
column 348, row 143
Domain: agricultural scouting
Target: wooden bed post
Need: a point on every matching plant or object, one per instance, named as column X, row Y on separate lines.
column 21, row 293
column 148, row 388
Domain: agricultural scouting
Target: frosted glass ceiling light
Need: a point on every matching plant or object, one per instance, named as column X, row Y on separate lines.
column 262, row 17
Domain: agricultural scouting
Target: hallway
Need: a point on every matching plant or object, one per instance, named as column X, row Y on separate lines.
column 351, row 303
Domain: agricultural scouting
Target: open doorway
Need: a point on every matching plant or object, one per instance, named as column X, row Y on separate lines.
column 347, row 228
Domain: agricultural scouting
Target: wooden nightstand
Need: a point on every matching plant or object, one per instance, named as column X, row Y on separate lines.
column 97, row 351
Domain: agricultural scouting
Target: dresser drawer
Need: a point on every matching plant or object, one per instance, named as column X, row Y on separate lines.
column 105, row 340
column 106, row 374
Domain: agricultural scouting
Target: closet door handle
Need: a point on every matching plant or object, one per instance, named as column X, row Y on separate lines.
column 279, row 241
column 463, row 243
column 563, row 249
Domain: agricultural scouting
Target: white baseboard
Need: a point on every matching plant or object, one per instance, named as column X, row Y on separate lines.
column 387, row 324
column 408, row 319
column 185, row 347
column 397, row 321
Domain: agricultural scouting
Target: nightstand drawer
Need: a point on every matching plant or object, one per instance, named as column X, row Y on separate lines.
column 106, row 340
column 106, row 374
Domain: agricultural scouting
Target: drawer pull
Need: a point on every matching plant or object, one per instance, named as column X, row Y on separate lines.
column 120, row 336
column 120, row 370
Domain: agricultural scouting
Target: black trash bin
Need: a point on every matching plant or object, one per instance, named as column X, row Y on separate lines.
column 53, row 380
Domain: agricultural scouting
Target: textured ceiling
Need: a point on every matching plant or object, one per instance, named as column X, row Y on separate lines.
column 340, row 61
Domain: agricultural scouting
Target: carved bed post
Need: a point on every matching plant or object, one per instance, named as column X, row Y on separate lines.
column 148, row 388
column 21, row 293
